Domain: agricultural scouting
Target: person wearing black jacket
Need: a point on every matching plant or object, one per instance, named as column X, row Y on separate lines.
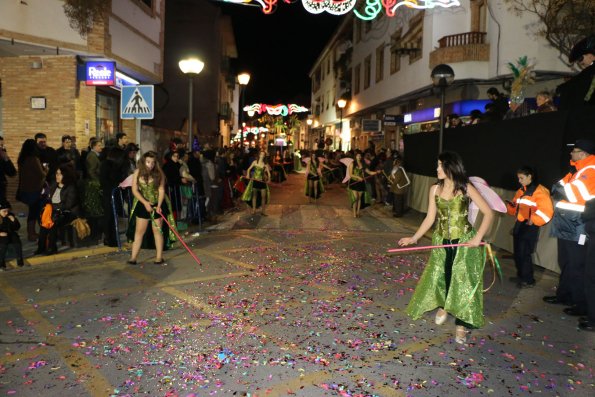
column 112, row 171
column 6, row 169
column 9, row 225
column 587, row 323
column 579, row 91
column 65, row 208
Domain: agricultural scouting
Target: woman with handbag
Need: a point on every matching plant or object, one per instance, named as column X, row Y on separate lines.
column 64, row 207
column 32, row 175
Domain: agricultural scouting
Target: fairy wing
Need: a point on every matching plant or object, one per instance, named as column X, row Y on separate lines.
column 126, row 182
column 490, row 196
column 346, row 161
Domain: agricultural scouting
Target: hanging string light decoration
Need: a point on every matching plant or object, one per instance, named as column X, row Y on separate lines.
column 370, row 11
column 275, row 110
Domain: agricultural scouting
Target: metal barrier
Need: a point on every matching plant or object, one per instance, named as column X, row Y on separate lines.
column 195, row 206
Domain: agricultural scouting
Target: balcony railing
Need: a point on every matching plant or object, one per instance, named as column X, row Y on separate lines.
column 462, row 47
column 462, row 39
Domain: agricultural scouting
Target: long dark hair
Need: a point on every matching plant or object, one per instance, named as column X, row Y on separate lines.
column 28, row 149
column 453, row 167
column 147, row 174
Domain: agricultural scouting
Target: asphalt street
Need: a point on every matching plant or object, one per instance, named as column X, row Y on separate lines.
column 302, row 302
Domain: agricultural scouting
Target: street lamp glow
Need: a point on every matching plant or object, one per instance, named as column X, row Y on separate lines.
column 191, row 65
column 243, row 78
column 341, row 103
column 309, row 121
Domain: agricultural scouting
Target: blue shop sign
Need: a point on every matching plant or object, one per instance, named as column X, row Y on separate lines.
column 100, row 73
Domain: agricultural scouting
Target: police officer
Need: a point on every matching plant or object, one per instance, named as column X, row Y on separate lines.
column 570, row 195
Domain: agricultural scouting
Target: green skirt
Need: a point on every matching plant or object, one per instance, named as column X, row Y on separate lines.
column 465, row 295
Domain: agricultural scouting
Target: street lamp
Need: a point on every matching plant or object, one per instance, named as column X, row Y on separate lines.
column 309, row 122
column 243, row 79
column 341, row 104
column 442, row 77
column 191, row 67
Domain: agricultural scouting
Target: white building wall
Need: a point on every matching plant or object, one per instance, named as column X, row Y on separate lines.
column 39, row 18
column 138, row 18
column 328, row 90
column 133, row 47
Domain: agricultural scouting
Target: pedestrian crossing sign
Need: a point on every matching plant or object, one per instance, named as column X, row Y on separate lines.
column 136, row 102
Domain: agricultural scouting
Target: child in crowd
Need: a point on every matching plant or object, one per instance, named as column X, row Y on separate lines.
column 9, row 225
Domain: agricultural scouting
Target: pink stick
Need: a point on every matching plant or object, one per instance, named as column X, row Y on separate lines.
column 180, row 239
column 429, row 247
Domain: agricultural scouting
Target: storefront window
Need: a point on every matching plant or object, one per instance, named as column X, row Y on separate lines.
column 107, row 116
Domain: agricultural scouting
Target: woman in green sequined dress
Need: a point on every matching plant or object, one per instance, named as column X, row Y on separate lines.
column 453, row 278
column 148, row 188
column 257, row 192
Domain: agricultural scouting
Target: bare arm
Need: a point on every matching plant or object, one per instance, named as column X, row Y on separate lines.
column 427, row 222
column 250, row 169
column 488, row 215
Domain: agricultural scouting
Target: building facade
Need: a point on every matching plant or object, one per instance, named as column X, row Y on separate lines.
column 391, row 60
column 42, row 60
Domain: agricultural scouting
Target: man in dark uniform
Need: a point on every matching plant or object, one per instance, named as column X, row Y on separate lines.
column 579, row 91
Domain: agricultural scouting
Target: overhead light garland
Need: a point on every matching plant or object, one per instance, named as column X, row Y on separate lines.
column 340, row 7
column 275, row 110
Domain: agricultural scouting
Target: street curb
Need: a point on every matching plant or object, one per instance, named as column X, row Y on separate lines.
column 65, row 256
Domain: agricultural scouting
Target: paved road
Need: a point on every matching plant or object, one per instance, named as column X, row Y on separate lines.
column 303, row 302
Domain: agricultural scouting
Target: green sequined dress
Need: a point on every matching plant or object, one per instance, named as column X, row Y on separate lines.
column 151, row 193
column 258, row 176
column 465, row 295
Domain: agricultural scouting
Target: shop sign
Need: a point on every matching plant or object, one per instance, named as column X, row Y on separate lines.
column 391, row 120
column 100, row 73
column 370, row 125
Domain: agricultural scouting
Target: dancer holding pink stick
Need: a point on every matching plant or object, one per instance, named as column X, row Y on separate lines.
column 453, row 278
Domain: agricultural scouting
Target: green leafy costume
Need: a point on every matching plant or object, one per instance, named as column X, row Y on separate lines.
column 465, row 295
column 151, row 192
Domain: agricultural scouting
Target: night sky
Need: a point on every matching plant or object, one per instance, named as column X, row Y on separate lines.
column 279, row 49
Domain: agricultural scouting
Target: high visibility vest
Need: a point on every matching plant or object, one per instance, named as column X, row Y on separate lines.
column 578, row 187
column 533, row 204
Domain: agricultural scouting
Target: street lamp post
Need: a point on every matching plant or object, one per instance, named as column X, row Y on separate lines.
column 341, row 104
column 191, row 67
column 309, row 123
column 442, row 77
column 243, row 79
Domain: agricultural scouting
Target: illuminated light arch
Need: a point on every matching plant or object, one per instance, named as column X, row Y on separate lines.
column 275, row 110
column 425, row 4
column 340, row 7
column 371, row 10
column 335, row 7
